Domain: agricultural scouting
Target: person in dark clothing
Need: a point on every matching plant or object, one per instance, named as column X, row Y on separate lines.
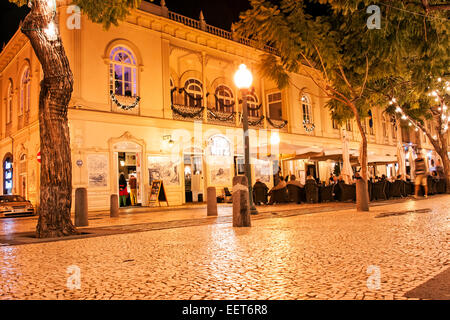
column 260, row 191
column 421, row 175
column 123, row 192
column 440, row 169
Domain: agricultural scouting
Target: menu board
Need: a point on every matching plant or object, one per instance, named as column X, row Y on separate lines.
column 157, row 192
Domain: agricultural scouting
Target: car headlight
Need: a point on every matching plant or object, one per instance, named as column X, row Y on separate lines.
column 29, row 206
column 6, row 208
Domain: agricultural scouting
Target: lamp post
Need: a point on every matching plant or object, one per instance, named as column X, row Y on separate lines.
column 243, row 79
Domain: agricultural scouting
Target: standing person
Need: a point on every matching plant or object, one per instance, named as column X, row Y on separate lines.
column 133, row 189
column 123, row 192
column 421, row 175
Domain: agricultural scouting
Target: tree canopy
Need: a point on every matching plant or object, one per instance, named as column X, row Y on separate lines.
column 336, row 40
column 103, row 12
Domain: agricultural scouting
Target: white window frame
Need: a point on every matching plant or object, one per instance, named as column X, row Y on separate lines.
column 307, row 109
column 132, row 65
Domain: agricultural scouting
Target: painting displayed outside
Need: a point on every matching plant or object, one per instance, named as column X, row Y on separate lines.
column 165, row 169
column 97, row 165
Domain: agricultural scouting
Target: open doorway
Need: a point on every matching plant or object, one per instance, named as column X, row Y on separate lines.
column 129, row 166
column 193, row 178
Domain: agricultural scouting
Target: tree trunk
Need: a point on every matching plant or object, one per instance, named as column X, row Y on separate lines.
column 362, row 200
column 56, row 91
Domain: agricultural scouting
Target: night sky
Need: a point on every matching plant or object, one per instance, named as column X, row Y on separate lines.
column 217, row 13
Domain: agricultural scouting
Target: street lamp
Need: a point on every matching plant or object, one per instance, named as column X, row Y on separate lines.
column 243, row 79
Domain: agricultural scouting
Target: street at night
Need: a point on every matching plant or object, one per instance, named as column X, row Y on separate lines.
column 323, row 255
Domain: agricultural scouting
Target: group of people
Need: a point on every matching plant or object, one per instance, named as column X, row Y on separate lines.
column 281, row 183
column 123, row 190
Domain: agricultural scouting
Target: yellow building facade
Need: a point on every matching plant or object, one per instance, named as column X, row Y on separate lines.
column 185, row 127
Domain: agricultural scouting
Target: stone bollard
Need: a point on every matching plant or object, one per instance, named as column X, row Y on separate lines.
column 81, row 208
column 241, row 205
column 114, row 206
column 211, row 201
column 362, row 202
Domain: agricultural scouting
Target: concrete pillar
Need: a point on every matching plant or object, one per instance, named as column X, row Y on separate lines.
column 114, row 206
column 362, row 195
column 81, row 208
column 211, row 199
column 241, row 204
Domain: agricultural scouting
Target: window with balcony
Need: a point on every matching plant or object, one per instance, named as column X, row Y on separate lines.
column 193, row 93
column 224, row 99
column 275, row 105
column 252, row 104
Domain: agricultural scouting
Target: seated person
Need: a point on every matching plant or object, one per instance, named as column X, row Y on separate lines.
column 295, row 182
column 331, row 179
column 310, row 177
column 260, row 190
column 280, row 186
column 399, row 177
column 383, row 177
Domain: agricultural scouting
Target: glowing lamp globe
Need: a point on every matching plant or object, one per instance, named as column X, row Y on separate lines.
column 243, row 77
column 275, row 138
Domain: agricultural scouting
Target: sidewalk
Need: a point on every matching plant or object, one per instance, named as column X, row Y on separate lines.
column 145, row 215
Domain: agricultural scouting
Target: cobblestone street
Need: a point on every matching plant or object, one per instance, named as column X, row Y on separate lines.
column 324, row 255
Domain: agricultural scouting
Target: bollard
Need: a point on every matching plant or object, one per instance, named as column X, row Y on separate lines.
column 362, row 202
column 211, row 201
column 114, row 206
column 241, row 203
column 81, row 208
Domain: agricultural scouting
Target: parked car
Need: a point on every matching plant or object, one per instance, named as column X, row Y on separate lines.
column 13, row 205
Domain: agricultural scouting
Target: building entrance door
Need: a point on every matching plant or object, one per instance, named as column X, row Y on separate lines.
column 129, row 164
column 193, row 177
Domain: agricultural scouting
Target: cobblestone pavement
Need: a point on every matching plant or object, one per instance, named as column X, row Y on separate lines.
column 325, row 255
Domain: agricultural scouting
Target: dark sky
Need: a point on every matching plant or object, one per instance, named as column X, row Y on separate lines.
column 219, row 13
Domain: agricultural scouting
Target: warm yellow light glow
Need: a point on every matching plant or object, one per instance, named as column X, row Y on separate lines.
column 243, row 77
column 275, row 138
column 122, row 163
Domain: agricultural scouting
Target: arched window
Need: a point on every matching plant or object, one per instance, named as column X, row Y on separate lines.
column 123, row 72
column 8, row 175
column 9, row 101
column 23, row 175
column 25, row 91
column 252, row 103
column 384, row 126
column 394, row 130
column 225, row 99
column 307, row 109
column 194, row 93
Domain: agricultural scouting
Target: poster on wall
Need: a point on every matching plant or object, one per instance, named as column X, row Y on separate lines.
column 97, row 165
column 163, row 168
column 262, row 170
column 220, row 175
